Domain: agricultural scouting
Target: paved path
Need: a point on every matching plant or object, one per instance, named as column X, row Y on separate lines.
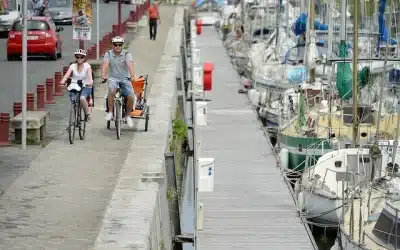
column 40, row 69
column 59, row 202
column 251, row 207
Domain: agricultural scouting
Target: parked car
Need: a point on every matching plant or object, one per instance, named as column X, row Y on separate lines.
column 43, row 38
column 60, row 11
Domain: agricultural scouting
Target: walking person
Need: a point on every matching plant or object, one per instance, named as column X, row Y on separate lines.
column 154, row 19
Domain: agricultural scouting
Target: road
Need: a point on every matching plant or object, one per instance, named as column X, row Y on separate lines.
column 40, row 69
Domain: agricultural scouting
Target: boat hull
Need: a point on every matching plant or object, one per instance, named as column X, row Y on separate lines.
column 304, row 152
column 316, row 204
column 347, row 244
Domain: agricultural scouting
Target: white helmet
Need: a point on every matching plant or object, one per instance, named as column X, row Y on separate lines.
column 80, row 52
column 117, row 39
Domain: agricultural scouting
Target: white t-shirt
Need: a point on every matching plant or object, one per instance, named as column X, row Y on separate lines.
column 83, row 75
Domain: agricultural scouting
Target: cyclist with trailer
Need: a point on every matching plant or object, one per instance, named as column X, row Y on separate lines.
column 117, row 69
column 81, row 79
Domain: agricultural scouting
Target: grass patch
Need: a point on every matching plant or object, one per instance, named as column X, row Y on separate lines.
column 177, row 140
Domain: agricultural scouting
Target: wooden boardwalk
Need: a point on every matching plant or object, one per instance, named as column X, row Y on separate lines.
column 251, row 207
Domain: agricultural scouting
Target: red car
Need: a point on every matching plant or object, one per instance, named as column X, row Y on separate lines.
column 43, row 39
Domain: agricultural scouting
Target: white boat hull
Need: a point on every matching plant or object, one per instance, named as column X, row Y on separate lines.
column 316, row 205
column 347, row 244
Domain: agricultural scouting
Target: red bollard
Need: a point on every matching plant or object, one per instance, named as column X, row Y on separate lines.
column 17, row 108
column 4, row 129
column 131, row 15
column 49, row 91
column 89, row 54
column 101, row 47
column 65, row 69
column 30, row 101
column 40, row 88
column 115, row 30
column 57, row 86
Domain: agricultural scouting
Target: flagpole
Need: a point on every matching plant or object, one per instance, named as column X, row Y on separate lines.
column 24, row 70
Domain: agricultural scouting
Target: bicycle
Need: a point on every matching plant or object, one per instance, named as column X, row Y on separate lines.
column 76, row 114
column 119, row 107
column 119, row 101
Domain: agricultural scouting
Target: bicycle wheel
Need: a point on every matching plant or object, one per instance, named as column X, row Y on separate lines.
column 82, row 123
column 118, row 118
column 72, row 124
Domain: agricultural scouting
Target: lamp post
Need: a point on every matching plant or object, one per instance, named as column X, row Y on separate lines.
column 24, row 69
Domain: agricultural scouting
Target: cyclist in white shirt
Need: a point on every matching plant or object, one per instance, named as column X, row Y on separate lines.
column 81, row 71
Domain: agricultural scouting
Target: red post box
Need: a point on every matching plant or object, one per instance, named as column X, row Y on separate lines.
column 207, row 76
column 199, row 26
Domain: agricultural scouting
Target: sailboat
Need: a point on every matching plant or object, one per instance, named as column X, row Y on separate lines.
column 321, row 189
column 328, row 125
column 371, row 218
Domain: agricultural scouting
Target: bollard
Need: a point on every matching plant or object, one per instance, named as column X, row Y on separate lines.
column 30, row 101
column 101, row 47
column 40, row 88
column 132, row 15
column 17, row 108
column 57, row 86
column 49, row 91
column 65, row 69
column 89, row 53
column 4, row 129
column 115, row 30
column 94, row 50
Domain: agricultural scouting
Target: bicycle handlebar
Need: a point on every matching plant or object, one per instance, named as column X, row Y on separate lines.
column 104, row 80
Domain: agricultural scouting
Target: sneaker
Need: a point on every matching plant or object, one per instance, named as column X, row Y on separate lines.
column 109, row 116
column 129, row 121
column 87, row 117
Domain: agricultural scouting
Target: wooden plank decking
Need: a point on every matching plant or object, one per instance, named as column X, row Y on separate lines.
column 251, row 206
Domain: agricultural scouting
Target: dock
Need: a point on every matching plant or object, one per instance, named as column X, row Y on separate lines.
column 251, row 206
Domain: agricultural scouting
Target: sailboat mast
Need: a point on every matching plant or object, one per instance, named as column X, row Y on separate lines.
column 355, row 74
column 378, row 123
column 311, row 29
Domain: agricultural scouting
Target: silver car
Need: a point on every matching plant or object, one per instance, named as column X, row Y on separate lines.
column 60, row 11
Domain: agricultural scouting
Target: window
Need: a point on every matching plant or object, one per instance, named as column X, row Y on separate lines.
column 59, row 3
column 32, row 25
column 10, row 4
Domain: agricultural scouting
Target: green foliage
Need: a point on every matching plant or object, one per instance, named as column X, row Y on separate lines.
column 179, row 129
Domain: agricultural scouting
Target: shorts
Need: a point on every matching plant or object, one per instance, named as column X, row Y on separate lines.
column 125, row 85
column 85, row 92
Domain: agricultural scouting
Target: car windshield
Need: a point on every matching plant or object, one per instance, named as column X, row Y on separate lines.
column 59, row 4
column 32, row 25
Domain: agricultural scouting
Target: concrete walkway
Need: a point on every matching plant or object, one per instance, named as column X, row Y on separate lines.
column 59, row 202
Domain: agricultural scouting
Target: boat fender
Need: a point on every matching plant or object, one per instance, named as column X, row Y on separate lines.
column 263, row 98
column 256, row 98
column 300, row 201
column 251, row 94
column 284, row 158
column 296, row 190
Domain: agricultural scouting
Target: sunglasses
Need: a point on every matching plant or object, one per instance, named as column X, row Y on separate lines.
column 79, row 57
column 118, row 44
